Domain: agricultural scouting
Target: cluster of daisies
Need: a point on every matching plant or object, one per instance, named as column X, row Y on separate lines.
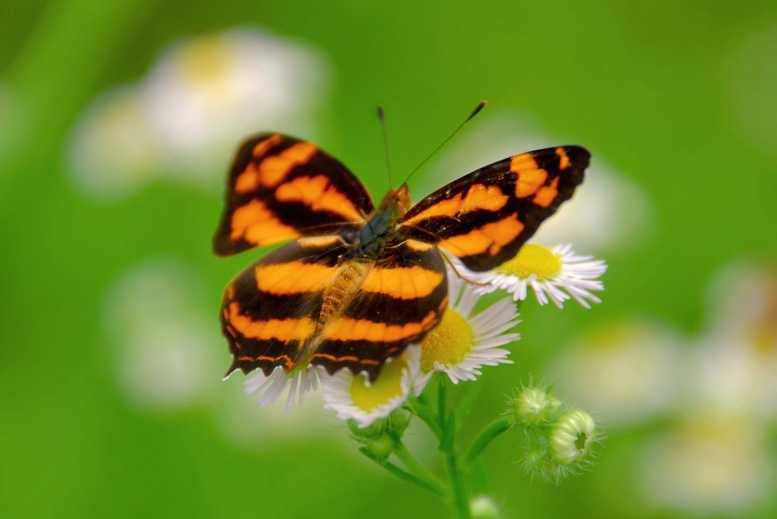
column 459, row 346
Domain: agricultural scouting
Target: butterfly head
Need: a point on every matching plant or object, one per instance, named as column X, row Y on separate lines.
column 397, row 200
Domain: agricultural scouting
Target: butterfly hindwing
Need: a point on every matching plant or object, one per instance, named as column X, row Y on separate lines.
column 281, row 188
column 483, row 218
column 270, row 310
column 403, row 297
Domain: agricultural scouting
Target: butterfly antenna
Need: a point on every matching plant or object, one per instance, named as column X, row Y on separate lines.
column 473, row 114
column 382, row 116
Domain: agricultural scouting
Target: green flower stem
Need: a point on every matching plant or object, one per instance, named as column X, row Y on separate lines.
column 460, row 501
column 490, row 432
column 479, row 476
column 419, row 471
column 406, row 476
column 458, row 486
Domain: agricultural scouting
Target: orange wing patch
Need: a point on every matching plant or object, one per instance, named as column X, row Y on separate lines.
column 529, row 181
column 402, row 283
column 488, row 238
column 248, row 180
column 563, row 158
column 418, row 246
column 294, row 277
column 261, row 148
column 479, row 196
column 273, row 170
column 321, row 241
column 286, row 330
column 320, row 195
column 255, row 223
column 546, row 194
column 522, row 161
column 346, row 329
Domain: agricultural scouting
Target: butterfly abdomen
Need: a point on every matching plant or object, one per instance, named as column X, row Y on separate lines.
column 342, row 291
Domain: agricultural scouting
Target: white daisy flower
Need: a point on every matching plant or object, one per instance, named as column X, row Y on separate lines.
column 355, row 398
column 554, row 275
column 462, row 342
column 269, row 388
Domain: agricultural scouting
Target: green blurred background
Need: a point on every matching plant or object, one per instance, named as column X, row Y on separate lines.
column 117, row 121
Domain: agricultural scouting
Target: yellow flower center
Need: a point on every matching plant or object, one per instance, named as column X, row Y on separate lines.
column 448, row 343
column 206, row 63
column 532, row 259
column 388, row 385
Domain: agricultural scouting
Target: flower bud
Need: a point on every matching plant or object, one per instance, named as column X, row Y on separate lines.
column 534, row 405
column 571, row 437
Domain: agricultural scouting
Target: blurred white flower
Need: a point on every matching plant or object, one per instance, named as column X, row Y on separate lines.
column 718, row 460
column 748, row 81
column 115, row 149
column 627, row 372
column 714, row 464
column 608, row 211
column 166, row 346
column 734, row 364
column 199, row 100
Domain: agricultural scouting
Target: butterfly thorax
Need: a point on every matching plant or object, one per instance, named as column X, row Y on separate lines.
column 380, row 228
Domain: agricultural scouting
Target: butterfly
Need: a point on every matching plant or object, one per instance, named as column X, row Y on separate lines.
column 356, row 284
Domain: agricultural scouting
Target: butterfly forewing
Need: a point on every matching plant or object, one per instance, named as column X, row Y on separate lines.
column 483, row 218
column 281, row 188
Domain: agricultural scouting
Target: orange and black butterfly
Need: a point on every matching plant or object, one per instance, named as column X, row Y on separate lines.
column 358, row 284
